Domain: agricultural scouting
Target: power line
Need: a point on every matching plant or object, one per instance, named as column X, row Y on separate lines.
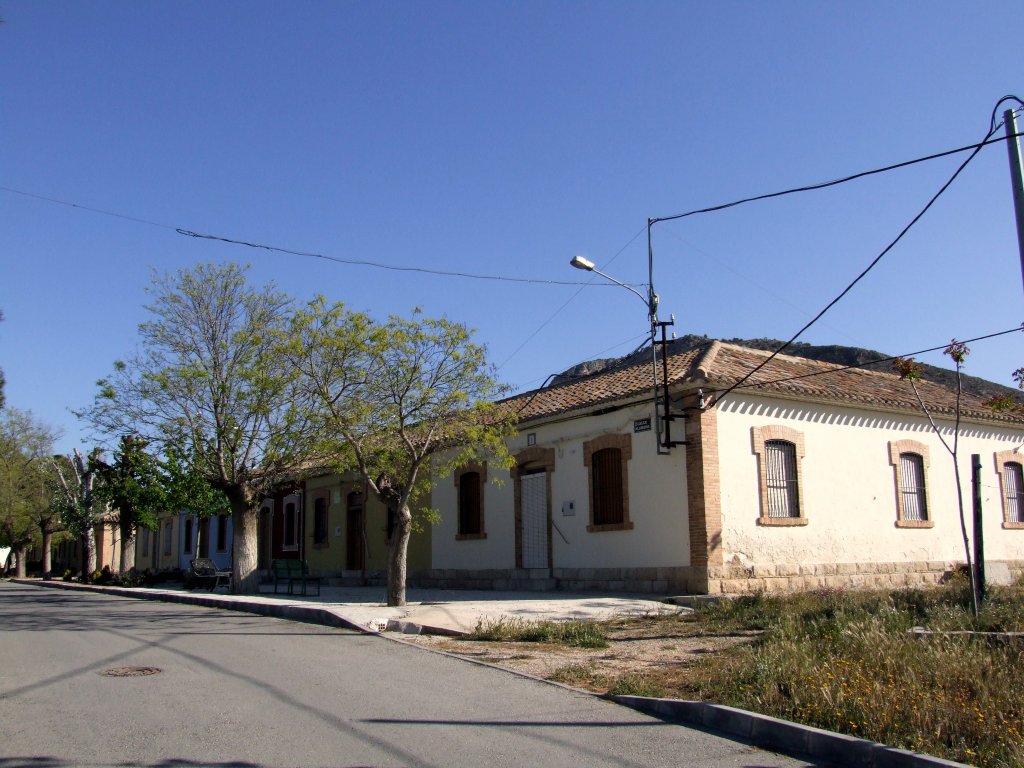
column 836, row 182
column 568, row 301
column 856, row 366
column 87, row 208
column 380, row 265
column 889, row 247
column 354, row 262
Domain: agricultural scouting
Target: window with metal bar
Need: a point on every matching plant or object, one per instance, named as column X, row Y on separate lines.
column 781, row 479
column 912, row 488
column 1013, row 490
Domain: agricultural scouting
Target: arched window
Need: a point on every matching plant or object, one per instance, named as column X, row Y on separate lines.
column 912, row 488
column 291, row 521
column 781, row 479
column 909, row 459
column 780, row 452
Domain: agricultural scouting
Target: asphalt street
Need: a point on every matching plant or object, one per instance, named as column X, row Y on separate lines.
column 233, row 689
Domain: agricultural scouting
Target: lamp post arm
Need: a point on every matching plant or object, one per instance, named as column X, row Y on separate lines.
column 645, row 299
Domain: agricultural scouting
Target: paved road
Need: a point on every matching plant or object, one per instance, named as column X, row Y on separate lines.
column 241, row 690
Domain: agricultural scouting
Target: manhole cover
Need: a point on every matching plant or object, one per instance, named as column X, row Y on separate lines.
column 130, row 671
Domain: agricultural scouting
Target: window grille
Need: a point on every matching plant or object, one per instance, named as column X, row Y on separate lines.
column 781, row 480
column 1013, row 487
column 915, row 506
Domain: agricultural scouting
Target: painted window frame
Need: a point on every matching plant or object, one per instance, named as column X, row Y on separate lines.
column 481, row 472
column 896, row 449
column 1003, row 458
column 759, row 437
column 187, row 535
column 624, row 445
column 168, row 548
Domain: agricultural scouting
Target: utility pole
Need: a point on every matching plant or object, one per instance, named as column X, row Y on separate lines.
column 1017, row 176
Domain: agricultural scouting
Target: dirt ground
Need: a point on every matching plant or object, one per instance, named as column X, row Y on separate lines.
column 665, row 652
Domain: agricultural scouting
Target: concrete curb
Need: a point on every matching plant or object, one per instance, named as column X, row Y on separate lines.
column 304, row 613
column 784, row 736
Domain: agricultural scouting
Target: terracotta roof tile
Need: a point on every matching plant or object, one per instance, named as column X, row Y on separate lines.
column 721, row 364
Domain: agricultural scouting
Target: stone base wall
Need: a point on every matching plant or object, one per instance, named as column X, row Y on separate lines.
column 735, row 579
column 713, row 580
column 679, row 580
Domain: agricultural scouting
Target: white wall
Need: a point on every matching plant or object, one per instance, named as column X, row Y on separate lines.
column 657, row 505
column 848, row 487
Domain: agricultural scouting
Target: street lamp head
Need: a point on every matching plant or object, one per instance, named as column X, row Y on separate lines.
column 581, row 263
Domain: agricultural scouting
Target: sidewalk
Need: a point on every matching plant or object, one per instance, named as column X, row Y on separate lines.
column 429, row 611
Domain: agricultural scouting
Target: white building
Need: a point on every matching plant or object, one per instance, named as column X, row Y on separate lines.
column 834, row 478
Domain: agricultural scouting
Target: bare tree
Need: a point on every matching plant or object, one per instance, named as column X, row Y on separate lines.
column 208, row 385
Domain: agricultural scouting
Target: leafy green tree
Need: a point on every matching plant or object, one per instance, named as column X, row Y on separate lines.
column 133, row 487
column 186, row 489
column 208, row 387
column 25, row 517
column 399, row 403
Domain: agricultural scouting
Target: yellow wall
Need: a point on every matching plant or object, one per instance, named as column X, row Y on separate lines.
column 329, row 559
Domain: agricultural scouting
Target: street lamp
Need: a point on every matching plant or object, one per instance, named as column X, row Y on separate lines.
column 651, row 300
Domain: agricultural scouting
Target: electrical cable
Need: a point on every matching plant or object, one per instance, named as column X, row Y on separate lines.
column 568, row 301
column 889, row 247
column 379, row 265
column 836, row 182
column 355, row 262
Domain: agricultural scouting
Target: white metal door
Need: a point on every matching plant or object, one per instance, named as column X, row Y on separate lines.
column 533, row 491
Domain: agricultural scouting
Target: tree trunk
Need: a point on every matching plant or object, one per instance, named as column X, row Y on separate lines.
column 89, row 551
column 47, row 554
column 127, row 547
column 19, row 568
column 245, row 548
column 397, row 555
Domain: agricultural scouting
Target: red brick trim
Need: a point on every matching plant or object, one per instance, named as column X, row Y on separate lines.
column 1002, row 459
column 896, row 447
column 761, row 435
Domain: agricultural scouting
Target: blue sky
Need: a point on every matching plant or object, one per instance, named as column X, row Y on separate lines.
column 505, row 138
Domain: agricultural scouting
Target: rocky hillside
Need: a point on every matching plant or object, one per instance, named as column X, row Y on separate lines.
column 832, row 353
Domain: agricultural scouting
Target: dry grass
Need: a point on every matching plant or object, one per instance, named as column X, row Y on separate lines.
column 845, row 661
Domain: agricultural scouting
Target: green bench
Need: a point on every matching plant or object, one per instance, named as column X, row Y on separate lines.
column 290, row 573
